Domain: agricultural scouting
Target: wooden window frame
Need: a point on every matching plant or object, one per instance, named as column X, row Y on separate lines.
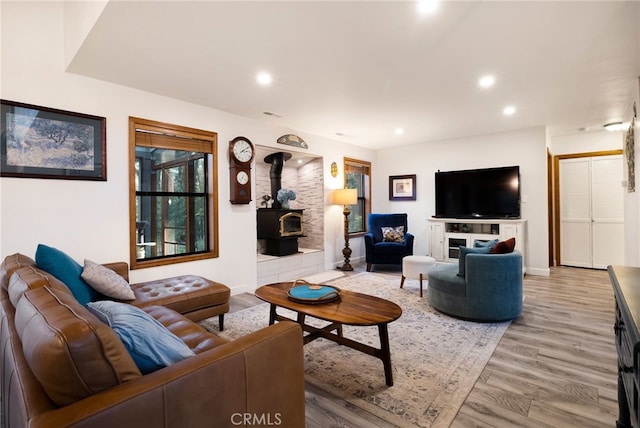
column 168, row 136
column 347, row 162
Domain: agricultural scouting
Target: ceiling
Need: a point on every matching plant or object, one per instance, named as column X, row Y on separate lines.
column 356, row 71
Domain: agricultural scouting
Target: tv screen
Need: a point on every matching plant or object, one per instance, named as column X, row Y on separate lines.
column 478, row 193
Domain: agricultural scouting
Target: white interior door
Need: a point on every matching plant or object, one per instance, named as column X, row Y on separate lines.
column 575, row 212
column 591, row 211
column 607, row 211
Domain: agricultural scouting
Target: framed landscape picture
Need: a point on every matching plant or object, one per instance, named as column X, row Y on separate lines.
column 41, row 142
column 402, row 187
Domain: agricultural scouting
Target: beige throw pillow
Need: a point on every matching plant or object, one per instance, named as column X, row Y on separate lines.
column 393, row 234
column 106, row 281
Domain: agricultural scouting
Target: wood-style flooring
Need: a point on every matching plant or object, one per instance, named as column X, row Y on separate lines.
column 554, row 367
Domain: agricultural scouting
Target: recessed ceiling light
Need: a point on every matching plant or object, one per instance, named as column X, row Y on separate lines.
column 509, row 111
column 399, row 131
column 614, row 126
column 263, row 78
column 486, row 81
column 426, row 7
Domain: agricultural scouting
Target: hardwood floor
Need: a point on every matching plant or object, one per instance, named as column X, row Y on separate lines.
column 554, row 367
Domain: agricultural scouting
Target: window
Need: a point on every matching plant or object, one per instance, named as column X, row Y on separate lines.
column 173, row 194
column 357, row 175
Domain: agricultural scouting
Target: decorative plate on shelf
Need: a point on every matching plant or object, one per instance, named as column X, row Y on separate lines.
column 313, row 294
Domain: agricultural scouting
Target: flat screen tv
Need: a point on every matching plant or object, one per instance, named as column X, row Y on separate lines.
column 491, row 193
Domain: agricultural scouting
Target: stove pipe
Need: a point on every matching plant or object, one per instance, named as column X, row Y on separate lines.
column 275, row 173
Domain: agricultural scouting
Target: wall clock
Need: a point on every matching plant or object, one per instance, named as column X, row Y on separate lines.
column 241, row 153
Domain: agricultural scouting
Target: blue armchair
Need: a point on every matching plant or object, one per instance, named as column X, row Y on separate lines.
column 388, row 252
column 489, row 291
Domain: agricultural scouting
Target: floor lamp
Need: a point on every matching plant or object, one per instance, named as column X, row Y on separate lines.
column 346, row 197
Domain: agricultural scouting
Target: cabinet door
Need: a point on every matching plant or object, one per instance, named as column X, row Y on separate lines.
column 453, row 242
column 436, row 241
column 510, row 231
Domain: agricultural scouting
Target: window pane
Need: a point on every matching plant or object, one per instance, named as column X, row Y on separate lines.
column 178, row 225
column 355, row 180
column 200, row 184
column 357, row 176
column 171, row 204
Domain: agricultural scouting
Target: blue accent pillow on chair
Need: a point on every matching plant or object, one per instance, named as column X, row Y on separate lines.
column 463, row 254
column 480, row 243
column 67, row 270
column 151, row 345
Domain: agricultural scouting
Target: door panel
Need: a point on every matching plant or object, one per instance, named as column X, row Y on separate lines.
column 607, row 195
column 606, row 189
column 608, row 248
column 575, row 212
column 575, row 243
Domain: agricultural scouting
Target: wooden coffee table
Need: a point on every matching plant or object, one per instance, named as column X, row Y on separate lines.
column 351, row 308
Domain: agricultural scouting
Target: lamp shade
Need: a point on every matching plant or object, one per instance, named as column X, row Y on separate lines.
column 345, row 196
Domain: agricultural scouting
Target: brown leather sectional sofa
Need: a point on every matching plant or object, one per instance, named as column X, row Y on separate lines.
column 61, row 366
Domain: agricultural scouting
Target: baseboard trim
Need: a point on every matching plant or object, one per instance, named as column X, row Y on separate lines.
column 538, row 271
column 243, row 289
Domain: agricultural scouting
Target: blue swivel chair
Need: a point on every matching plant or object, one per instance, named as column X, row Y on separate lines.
column 488, row 290
column 381, row 251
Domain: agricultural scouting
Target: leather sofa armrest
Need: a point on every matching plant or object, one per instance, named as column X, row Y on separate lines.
column 121, row 268
column 260, row 375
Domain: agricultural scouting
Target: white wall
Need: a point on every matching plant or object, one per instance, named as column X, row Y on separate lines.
column 586, row 142
column 632, row 200
column 90, row 219
column 526, row 148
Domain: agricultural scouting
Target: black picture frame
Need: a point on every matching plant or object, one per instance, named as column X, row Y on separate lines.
column 402, row 187
column 42, row 142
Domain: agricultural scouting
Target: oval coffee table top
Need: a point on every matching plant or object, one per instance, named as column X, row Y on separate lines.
column 351, row 308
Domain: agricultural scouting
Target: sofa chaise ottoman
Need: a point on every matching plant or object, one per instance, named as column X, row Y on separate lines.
column 195, row 297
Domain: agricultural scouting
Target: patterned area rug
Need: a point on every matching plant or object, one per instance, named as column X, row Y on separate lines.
column 436, row 359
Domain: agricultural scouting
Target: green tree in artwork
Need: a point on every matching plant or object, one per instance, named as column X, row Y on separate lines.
column 82, row 145
column 58, row 132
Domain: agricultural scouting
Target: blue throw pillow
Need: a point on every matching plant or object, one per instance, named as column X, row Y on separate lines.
column 463, row 255
column 151, row 345
column 491, row 243
column 67, row 270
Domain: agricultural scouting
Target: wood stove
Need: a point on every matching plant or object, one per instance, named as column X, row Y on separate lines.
column 280, row 228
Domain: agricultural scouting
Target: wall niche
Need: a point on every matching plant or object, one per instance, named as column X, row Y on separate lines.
column 303, row 174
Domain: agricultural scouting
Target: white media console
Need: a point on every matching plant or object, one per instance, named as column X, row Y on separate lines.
column 447, row 235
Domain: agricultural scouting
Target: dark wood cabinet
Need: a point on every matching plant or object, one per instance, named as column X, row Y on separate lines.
column 626, row 287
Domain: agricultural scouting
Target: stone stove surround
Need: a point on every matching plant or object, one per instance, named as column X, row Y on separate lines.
column 308, row 183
